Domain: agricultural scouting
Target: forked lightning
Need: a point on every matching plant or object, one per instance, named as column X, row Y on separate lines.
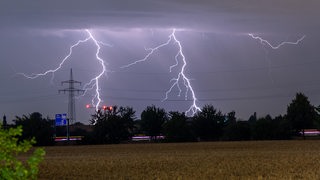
column 265, row 42
column 180, row 57
column 94, row 82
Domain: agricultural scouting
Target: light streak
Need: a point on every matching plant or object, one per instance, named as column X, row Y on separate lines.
column 94, row 82
column 265, row 42
column 179, row 57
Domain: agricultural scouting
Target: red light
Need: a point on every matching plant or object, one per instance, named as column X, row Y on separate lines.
column 110, row 108
column 104, row 107
column 88, row 106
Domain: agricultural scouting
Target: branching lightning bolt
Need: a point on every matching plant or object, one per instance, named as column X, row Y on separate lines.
column 274, row 47
column 34, row 75
column 180, row 76
column 94, row 82
column 265, row 42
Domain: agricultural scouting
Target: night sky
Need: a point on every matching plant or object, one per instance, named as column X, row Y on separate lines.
column 226, row 67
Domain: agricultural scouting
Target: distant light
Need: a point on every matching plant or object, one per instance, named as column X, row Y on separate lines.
column 88, row 106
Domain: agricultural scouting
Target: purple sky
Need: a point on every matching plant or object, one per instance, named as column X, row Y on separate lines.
column 226, row 66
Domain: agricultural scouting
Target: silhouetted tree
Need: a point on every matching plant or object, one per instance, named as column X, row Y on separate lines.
column 208, row 123
column 177, row 128
column 4, row 122
column 113, row 126
column 283, row 129
column 152, row 120
column 253, row 118
column 264, row 128
column 137, row 127
column 317, row 121
column 301, row 113
column 231, row 118
column 267, row 128
column 237, row 131
column 36, row 126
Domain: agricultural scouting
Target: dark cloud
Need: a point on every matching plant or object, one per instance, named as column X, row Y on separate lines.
column 207, row 15
column 227, row 67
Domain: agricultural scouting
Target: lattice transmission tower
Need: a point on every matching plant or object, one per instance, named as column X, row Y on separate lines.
column 71, row 90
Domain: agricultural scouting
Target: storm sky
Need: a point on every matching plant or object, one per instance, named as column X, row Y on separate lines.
column 227, row 68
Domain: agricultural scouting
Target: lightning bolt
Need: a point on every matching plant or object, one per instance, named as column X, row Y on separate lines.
column 94, row 82
column 181, row 76
column 265, row 42
column 34, row 75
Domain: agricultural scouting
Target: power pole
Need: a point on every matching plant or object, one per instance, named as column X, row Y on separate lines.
column 71, row 90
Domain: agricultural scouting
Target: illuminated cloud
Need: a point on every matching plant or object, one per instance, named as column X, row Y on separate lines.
column 226, row 66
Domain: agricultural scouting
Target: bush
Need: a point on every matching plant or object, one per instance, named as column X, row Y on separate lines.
column 10, row 148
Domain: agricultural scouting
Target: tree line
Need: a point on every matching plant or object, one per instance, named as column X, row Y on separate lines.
column 119, row 124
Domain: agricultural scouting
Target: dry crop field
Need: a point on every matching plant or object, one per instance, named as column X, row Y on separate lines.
column 205, row 160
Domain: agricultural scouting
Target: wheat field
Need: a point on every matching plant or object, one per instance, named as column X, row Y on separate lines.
column 205, row 160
